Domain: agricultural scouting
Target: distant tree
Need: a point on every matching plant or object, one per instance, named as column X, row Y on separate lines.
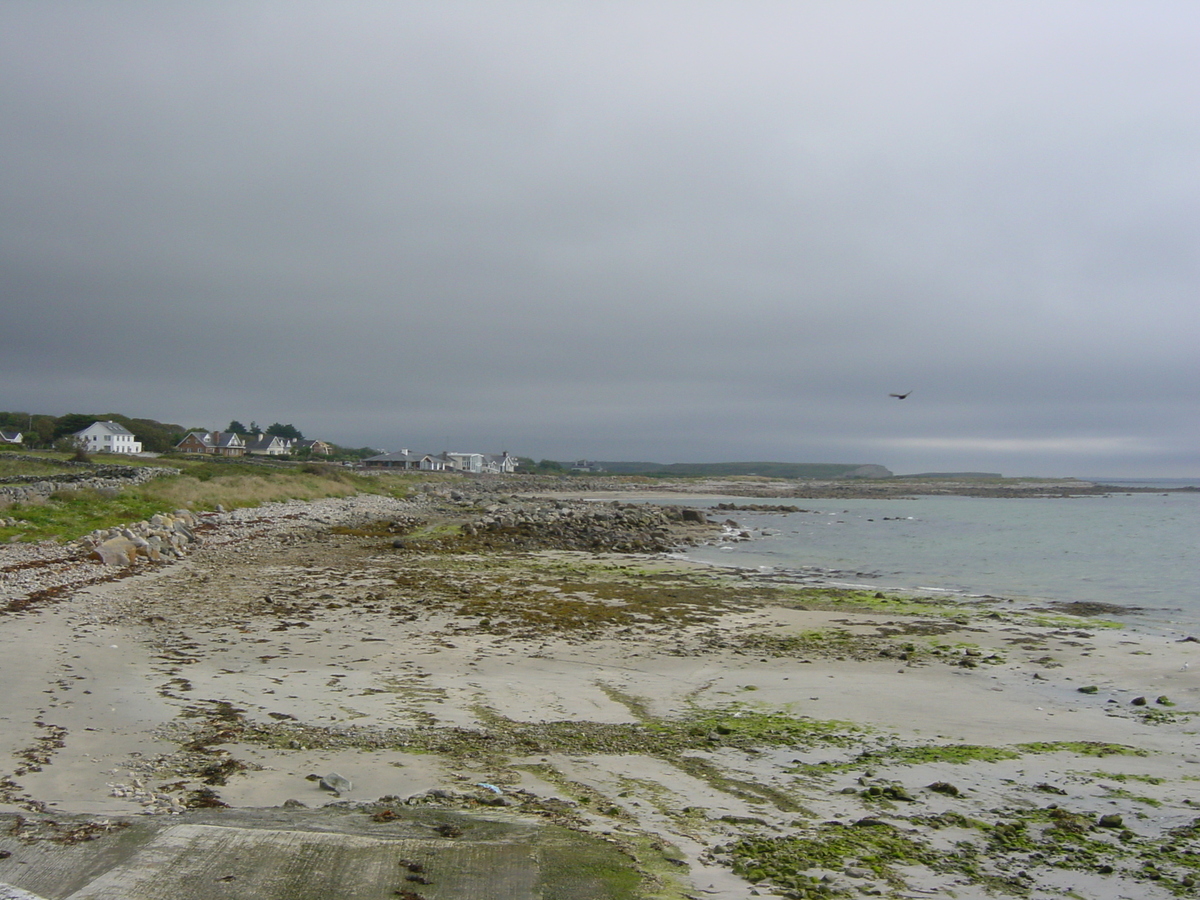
column 286, row 431
column 71, row 423
column 549, row 465
column 155, row 437
column 237, row 427
column 40, row 432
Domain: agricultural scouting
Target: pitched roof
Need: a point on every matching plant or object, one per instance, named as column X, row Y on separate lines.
column 397, row 456
column 110, row 426
column 265, row 442
column 215, row 438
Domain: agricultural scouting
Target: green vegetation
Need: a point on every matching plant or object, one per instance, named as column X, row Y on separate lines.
column 1081, row 748
column 849, row 599
column 71, row 514
column 740, row 726
column 787, row 861
column 959, row 754
column 203, row 485
column 1000, row 856
column 1122, row 777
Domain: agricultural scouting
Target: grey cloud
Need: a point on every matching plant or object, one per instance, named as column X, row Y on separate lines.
column 657, row 230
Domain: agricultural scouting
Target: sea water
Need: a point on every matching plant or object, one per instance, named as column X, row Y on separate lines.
column 1137, row 550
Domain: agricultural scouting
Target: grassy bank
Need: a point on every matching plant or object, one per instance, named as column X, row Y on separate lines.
column 203, row 485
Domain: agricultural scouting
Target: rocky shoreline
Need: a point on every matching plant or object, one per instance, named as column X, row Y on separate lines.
column 806, row 489
column 474, row 653
column 47, row 569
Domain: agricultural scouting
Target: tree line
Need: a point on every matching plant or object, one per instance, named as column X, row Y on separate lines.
column 43, row 432
column 289, row 431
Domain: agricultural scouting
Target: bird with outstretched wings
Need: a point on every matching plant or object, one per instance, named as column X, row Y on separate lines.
column 900, row 396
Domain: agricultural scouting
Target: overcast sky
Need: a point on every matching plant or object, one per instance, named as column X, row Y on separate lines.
column 673, row 231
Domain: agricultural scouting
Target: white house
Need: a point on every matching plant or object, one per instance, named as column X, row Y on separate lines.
column 11, row 437
column 501, row 464
column 108, row 437
column 403, row 459
column 464, row 462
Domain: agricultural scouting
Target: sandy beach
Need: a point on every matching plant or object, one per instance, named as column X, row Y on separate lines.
column 737, row 735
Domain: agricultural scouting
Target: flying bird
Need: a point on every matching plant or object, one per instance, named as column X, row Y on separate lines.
column 900, row 396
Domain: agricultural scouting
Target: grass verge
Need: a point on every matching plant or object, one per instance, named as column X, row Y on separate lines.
column 203, row 485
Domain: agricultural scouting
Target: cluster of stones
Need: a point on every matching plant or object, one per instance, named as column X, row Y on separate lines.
column 162, row 537
column 153, row 802
column 27, row 488
column 615, row 527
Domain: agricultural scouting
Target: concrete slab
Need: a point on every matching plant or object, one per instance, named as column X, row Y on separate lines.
column 278, row 854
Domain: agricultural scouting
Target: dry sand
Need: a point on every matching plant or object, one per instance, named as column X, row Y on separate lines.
column 272, row 659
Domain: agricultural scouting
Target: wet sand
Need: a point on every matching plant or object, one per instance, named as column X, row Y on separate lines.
column 231, row 677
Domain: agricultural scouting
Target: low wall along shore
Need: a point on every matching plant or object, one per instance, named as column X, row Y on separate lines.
column 24, row 488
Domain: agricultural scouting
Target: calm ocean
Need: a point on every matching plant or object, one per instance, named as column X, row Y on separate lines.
column 1137, row 550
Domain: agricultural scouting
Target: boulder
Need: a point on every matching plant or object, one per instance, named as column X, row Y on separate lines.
column 117, row 551
column 335, row 783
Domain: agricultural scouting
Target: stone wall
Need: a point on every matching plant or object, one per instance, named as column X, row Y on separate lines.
column 76, row 476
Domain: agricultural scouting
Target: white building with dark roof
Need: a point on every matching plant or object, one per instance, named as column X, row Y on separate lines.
column 404, row 459
column 108, row 437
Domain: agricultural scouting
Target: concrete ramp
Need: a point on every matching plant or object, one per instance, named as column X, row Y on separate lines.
column 234, row 863
column 328, row 855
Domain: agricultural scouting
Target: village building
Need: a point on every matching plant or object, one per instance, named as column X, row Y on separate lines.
column 108, row 437
column 316, row 448
column 268, row 445
column 471, row 463
column 499, row 464
column 468, row 463
column 214, row 443
column 405, row 459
